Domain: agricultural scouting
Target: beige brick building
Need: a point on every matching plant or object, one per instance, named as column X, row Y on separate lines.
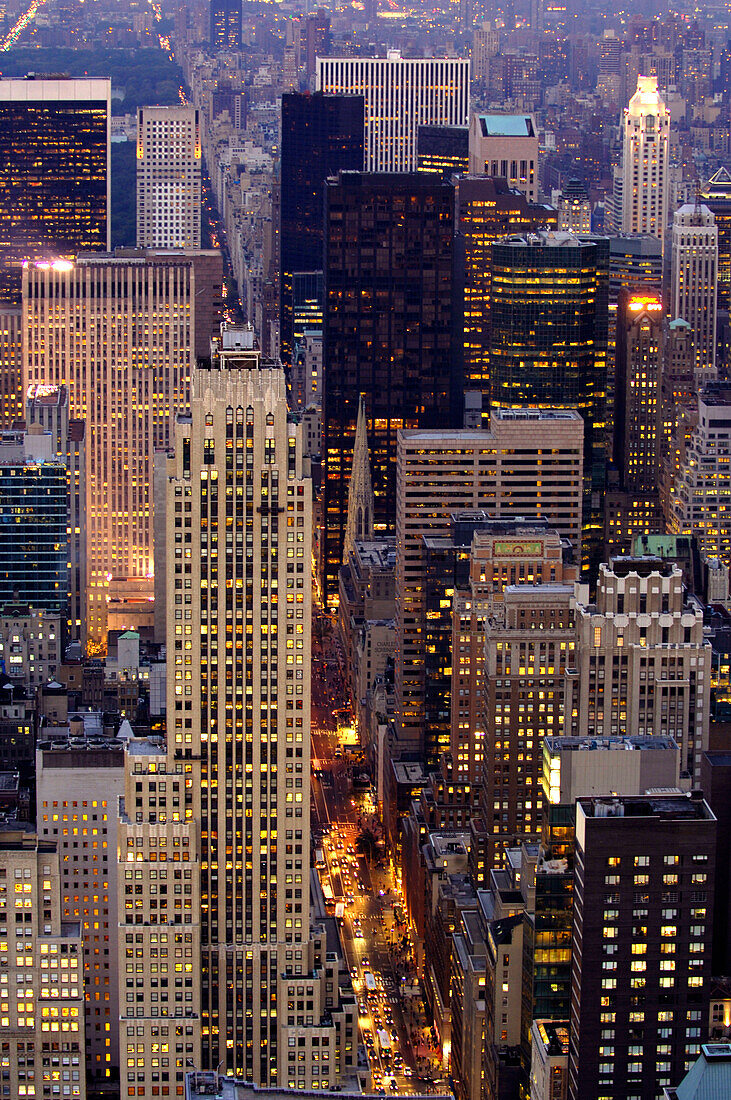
column 528, row 464
column 41, row 973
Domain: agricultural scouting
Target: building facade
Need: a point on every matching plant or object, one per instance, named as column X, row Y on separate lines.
column 390, row 333
column 506, row 146
column 55, row 172
column 640, row 346
column 443, row 472
column 694, row 280
column 646, row 159
column 321, row 136
column 641, row 952
column 400, row 95
column 168, row 177
column 121, row 332
column 43, row 1026
column 77, row 790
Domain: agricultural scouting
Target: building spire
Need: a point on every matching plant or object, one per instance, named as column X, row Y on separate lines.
column 359, row 523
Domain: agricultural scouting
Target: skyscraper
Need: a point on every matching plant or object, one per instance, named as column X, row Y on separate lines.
column 646, row 158
column 716, row 195
column 43, row 1029
column 168, row 177
column 225, row 29
column 34, row 519
column 401, row 94
column 389, row 332
column 321, row 135
column 239, row 709
column 443, row 149
column 638, row 381
column 693, row 281
column 641, row 951
column 54, row 172
column 506, row 146
column 574, row 208
column 48, row 407
column 442, row 472
column 548, row 333
column 120, row 332
column 488, row 209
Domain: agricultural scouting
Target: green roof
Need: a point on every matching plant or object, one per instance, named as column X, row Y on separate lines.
column 506, row 125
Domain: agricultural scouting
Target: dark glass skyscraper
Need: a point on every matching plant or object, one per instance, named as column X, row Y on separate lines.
column 548, row 329
column 390, row 332
column 54, row 172
column 443, row 149
column 34, row 518
column 321, row 135
column 226, row 24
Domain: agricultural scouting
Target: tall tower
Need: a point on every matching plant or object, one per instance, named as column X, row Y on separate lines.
column 120, row 332
column 168, row 177
column 645, row 186
column 390, row 332
column 239, row 533
column 401, row 94
column 54, row 172
column 694, row 280
column 548, row 333
column 321, row 136
column 637, row 419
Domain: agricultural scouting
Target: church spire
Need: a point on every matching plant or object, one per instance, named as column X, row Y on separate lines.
column 359, row 524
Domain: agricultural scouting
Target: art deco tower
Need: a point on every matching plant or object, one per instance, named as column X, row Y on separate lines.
column 239, row 537
column 645, row 189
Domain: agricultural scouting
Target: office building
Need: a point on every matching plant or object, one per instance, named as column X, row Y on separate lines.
column 34, row 515
column 487, row 210
column 442, row 472
column 168, row 177
column 548, row 333
column 225, row 24
column 633, row 262
column 321, row 135
column 640, row 347
column 241, row 745
column 48, row 407
column 120, row 332
column 54, row 180
column 574, row 208
column 642, row 664
column 11, row 365
column 716, row 195
column 526, row 660
column 315, row 39
column 31, row 645
column 390, row 333
column 400, row 94
column 443, row 149
column 502, row 553
column 574, row 767
column 77, row 791
column 646, row 153
column 506, row 146
column 641, row 951
column 43, row 1024
column 693, row 281
column 699, row 479
column 307, row 305
column 549, row 1071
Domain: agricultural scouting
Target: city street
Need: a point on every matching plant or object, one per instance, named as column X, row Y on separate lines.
column 362, row 894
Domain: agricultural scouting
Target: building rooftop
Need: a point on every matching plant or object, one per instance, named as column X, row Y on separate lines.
column 608, row 744
column 691, row 807
column 405, row 772
column 709, row 1078
column 207, row 1085
column 554, row 1035
column 506, row 125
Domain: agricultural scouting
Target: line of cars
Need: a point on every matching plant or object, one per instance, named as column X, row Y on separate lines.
column 378, row 1029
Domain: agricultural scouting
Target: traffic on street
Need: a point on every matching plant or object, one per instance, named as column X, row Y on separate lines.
column 359, row 891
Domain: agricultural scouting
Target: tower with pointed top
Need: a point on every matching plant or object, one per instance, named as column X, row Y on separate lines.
column 646, row 161
column 359, row 524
